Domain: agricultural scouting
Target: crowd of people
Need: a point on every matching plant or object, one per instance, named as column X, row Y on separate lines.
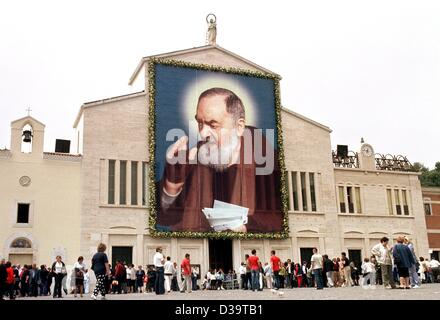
column 394, row 267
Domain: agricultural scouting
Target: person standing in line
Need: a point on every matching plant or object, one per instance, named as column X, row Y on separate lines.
column 305, row 280
column 9, row 281
column 59, row 270
column 194, row 276
column 44, row 274
column 119, row 276
column 242, row 271
column 3, row 277
column 383, row 256
column 24, row 281
column 268, row 275
column 101, row 268
column 133, row 278
column 328, row 266
column 413, row 275
column 159, row 262
column 253, row 263
column 403, row 259
column 168, row 271
column 174, row 282
column 369, row 274
column 261, row 275
column 186, row 272
column 80, row 269
column 317, row 263
column 248, row 282
column 297, row 273
column 86, row 282
column 275, row 263
column 347, row 270
column 435, row 269
column 128, row 271
column 140, row 274
column 34, row 280
column 17, row 279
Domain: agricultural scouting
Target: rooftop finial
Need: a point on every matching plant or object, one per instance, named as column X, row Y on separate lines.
column 29, row 111
column 362, row 140
column 211, row 35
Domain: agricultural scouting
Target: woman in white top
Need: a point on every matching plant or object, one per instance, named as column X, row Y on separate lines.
column 79, row 271
column 59, row 270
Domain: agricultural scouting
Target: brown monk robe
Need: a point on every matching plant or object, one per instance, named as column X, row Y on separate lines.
column 238, row 185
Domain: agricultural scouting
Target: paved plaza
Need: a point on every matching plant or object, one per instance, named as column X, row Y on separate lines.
column 426, row 292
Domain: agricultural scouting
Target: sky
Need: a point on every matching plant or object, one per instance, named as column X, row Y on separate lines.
column 366, row 69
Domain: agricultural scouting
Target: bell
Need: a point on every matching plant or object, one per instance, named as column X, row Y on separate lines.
column 27, row 136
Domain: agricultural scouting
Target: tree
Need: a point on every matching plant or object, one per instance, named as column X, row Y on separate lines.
column 428, row 178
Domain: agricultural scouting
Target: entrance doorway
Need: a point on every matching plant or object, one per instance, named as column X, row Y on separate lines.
column 306, row 255
column 356, row 257
column 125, row 254
column 220, row 255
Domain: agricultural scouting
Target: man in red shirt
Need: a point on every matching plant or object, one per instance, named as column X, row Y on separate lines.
column 276, row 264
column 255, row 270
column 186, row 272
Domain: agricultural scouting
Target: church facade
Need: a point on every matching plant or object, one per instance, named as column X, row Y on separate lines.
column 335, row 204
column 332, row 208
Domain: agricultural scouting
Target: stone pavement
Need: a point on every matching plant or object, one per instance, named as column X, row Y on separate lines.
column 426, row 292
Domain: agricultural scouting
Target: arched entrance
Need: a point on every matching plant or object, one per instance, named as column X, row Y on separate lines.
column 21, row 252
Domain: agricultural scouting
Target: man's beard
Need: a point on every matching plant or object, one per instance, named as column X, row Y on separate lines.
column 218, row 158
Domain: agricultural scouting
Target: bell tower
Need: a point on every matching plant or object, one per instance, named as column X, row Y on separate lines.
column 27, row 137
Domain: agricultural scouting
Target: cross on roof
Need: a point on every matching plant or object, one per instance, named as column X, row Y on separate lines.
column 29, row 111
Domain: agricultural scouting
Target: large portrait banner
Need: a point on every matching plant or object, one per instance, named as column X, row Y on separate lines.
column 216, row 152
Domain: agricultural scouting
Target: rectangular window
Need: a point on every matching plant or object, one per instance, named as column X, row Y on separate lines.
column 390, row 201
column 304, row 191
column 427, row 209
column 398, row 207
column 405, row 203
column 295, row 190
column 312, row 190
column 357, row 192
column 350, row 199
column 342, row 200
column 123, row 182
column 23, row 213
column 134, row 183
column 111, row 181
column 144, row 183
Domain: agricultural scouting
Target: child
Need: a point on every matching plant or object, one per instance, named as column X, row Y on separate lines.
column 369, row 274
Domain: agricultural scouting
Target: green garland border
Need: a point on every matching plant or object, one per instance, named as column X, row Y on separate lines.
column 152, row 148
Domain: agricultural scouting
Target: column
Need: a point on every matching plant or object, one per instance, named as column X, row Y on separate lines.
column 393, row 204
column 298, row 184
column 103, row 181
column 140, row 250
column 353, row 198
column 367, row 251
column 347, row 206
column 139, row 183
column 117, row 178
column 295, row 249
column 321, row 248
column 401, row 202
column 290, row 190
column 338, row 205
column 236, row 254
column 128, row 183
column 309, row 196
column 205, row 263
column 266, row 251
